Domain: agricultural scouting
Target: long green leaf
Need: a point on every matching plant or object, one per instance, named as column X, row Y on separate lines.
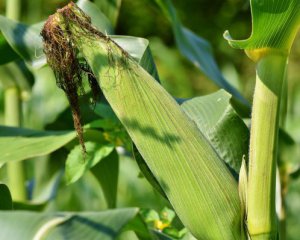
column 24, row 39
column 27, row 143
column 195, row 180
column 197, row 50
column 106, row 225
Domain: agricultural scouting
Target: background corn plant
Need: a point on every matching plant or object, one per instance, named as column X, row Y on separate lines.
column 94, row 180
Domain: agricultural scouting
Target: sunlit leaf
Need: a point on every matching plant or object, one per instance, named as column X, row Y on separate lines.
column 27, row 143
column 77, row 162
column 147, row 172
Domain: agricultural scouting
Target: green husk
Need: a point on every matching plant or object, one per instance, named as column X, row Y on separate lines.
column 197, row 183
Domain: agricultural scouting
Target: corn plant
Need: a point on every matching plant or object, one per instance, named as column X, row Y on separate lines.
column 219, row 177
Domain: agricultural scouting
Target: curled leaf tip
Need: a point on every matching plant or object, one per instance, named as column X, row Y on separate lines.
column 274, row 26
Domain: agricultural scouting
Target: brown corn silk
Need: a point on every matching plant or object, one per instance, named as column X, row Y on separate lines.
column 62, row 57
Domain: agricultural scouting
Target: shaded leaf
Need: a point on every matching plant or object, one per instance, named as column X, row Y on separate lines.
column 162, row 236
column 12, row 75
column 25, row 40
column 139, row 226
column 7, row 53
column 106, row 225
column 107, row 173
column 38, row 207
column 5, row 198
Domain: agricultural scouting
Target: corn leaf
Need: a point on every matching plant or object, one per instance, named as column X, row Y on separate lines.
column 107, row 173
column 7, row 53
column 106, row 225
column 5, row 198
column 27, row 143
column 24, row 40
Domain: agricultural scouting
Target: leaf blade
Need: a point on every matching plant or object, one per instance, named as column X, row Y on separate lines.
column 27, row 143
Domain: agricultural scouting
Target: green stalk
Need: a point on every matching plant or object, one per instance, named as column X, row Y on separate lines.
column 13, row 9
column 15, row 170
column 270, row 72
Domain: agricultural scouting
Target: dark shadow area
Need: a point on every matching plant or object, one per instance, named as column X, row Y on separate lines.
column 279, row 6
column 87, row 223
column 147, row 130
column 19, row 36
column 26, row 132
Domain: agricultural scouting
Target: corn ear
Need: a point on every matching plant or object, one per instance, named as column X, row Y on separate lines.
column 195, row 180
